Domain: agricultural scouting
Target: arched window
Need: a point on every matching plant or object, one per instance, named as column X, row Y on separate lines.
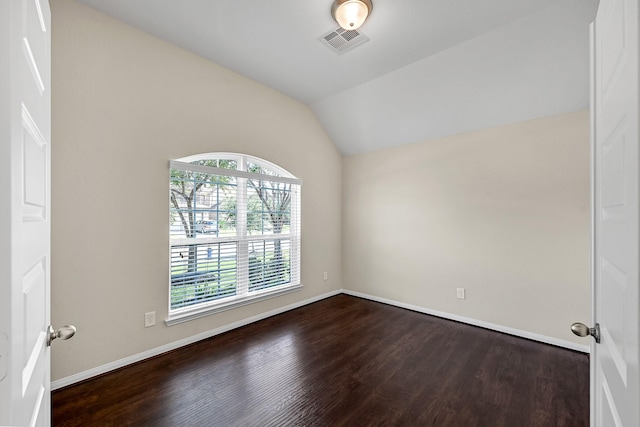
column 234, row 233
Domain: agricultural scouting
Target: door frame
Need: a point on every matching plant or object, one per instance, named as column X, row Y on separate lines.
column 592, row 210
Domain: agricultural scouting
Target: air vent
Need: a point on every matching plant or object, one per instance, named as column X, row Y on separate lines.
column 341, row 40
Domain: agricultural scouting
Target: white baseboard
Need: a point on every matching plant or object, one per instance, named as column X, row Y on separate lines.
column 505, row 329
column 85, row 375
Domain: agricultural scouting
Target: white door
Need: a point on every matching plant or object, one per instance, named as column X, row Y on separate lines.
column 25, row 127
column 615, row 375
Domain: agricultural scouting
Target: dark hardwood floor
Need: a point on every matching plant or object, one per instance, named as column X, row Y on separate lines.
column 343, row 361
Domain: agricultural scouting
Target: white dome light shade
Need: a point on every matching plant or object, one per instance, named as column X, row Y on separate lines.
column 351, row 14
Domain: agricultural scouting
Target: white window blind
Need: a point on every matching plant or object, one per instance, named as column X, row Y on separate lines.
column 234, row 231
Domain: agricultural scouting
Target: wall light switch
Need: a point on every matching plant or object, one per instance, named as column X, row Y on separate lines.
column 460, row 293
column 326, row 276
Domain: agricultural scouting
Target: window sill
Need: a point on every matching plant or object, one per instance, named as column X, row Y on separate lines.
column 186, row 315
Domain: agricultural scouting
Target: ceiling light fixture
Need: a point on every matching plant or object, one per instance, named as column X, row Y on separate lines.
column 351, row 14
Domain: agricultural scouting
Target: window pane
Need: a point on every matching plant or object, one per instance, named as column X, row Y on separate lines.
column 253, row 168
column 217, row 163
column 202, row 205
column 227, row 164
column 202, row 272
column 269, row 263
column 268, row 207
column 256, row 168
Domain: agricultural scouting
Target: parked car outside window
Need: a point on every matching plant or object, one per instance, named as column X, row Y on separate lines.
column 206, row 226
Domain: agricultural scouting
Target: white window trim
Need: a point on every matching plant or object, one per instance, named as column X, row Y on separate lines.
column 174, row 164
column 186, row 314
column 217, row 306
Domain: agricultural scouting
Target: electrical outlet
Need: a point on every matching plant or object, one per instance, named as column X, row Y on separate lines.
column 460, row 293
column 326, row 276
column 149, row 319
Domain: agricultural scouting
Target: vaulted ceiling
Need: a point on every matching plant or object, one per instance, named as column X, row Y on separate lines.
column 430, row 68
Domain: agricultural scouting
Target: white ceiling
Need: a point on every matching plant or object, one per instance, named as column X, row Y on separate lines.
column 431, row 67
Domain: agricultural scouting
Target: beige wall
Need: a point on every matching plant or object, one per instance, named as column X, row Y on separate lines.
column 502, row 212
column 124, row 103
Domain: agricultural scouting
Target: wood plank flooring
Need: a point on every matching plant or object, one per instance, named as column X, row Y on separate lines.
column 343, row 361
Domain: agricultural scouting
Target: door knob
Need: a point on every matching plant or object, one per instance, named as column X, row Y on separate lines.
column 582, row 330
column 64, row 333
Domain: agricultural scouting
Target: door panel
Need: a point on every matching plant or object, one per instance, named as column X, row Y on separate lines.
column 615, row 282
column 25, row 167
column 35, row 149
